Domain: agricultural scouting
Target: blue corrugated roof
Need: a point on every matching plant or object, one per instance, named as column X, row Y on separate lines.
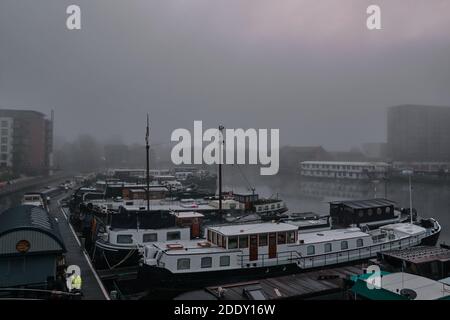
column 28, row 217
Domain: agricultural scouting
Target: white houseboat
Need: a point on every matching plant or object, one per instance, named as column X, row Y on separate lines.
column 245, row 252
column 344, row 170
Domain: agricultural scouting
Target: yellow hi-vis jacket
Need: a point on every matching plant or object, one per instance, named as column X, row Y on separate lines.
column 76, row 282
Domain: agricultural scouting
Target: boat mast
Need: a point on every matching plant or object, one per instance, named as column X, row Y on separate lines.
column 147, row 147
column 220, row 167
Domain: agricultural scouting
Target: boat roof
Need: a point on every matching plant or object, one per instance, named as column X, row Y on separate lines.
column 253, row 228
column 188, row 246
column 421, row 254
column 364, row 204
column 349, row 163
column 426, row 289
column 188, row 214
column 406, row 228
column 332, row 235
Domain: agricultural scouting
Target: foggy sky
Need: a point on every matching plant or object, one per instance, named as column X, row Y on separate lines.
column 310, row 68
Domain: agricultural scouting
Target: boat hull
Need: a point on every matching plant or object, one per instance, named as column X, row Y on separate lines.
column 107, row 256
column 160, row 279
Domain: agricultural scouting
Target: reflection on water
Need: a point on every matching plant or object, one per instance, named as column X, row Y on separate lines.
column 300, row 194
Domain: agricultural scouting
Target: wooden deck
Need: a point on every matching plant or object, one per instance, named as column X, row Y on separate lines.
column 92, row 287
column 297, row 286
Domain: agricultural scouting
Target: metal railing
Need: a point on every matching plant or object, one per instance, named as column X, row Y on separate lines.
column 325, row 259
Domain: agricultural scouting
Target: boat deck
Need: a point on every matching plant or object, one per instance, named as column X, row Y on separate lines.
column 299, row 286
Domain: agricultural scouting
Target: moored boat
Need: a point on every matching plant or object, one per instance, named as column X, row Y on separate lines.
column 246, row 252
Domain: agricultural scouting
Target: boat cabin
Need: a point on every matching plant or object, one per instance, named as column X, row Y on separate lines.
column 357, row 212
column 192, row 220
column 259, row 239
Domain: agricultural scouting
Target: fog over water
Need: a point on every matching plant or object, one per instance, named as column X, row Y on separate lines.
column 303, row 195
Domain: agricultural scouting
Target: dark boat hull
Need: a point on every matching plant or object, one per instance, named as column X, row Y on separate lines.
column 160, row 279
column 107, row 256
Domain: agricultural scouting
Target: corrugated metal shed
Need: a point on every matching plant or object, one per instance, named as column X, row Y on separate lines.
column 32, row 224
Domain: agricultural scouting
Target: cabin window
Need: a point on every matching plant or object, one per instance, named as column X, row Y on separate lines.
column 224, row 261
column 263, row 240
column 150, row 237
column 214, row 238
column 272, row 207
column 379, row 211
column 183, row 264
column 232, row 242
column 206, row 262
column 344, row 245
column 209, row 235
column 388, row 210
column 266, row 208
column 360, row 213
column 279, row 205
column 310, row 250
column 124, row 238
column 219, row 240
column 243, row 242
column 359, row 243
column 259, row 208
column 173, row 235
column 291, row 237
column 327, row 247
column 370, row 212
column 281, row 237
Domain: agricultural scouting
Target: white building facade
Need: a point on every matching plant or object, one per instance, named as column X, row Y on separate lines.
column 344, row 170
column 6, row 141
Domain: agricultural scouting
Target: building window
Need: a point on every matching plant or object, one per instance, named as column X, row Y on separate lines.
column 4, row 123
column 206, row 262
column 4, row 149
column 310, row 250
column 263, row 240
column 291, row 237
column 243, row 242
column 124, row 238
column 4, row 132
column 173, row 235
column 183, row 264
column 379, row 211
column 370, row 212
column 344, row 245
column 224, row 261
column 327, row 247
column 150, row 237
column 4, row 156
column 388, row 209
column 281, row 237
column 359, row 243
column 232, row 242
column 4, row 140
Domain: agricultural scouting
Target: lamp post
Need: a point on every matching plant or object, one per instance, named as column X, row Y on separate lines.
column 409, row 173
